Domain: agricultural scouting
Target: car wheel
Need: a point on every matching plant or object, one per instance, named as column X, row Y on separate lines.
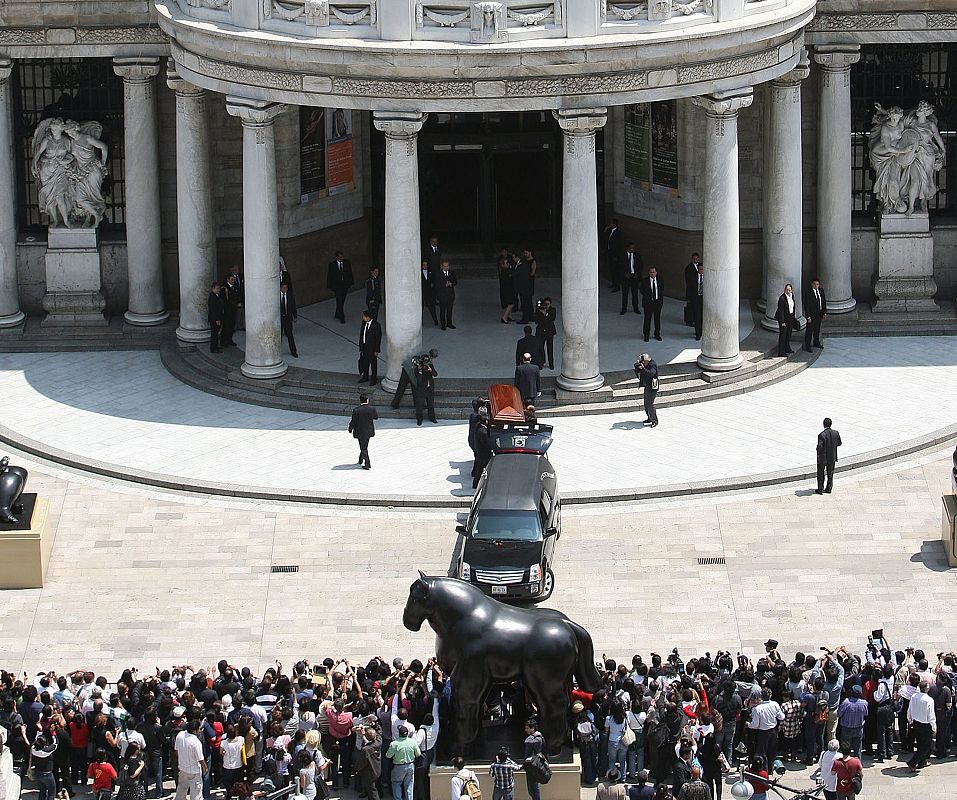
column 549, row 585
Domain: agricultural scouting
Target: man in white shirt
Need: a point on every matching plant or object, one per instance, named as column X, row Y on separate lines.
column 923, row 719
column 460, row 778
column 828, row 757
column 764, row 721
column 192, row 764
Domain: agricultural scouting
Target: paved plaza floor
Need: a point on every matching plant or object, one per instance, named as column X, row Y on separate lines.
column 124, row 409
column 481, row 346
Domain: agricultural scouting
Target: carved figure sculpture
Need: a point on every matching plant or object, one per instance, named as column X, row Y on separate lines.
column 69, row 164
column 905, row 151
column 480, row 641
column 12, row 482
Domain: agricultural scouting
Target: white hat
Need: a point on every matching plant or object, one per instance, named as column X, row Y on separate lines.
column 178, row 711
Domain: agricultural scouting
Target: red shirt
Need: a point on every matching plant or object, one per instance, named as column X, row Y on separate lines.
column 103, row 775
column 583, row 697
column 340, row 725
column 846, row 769
column 759, row 786
column 79, row 736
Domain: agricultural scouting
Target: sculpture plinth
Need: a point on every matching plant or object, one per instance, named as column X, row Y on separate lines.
column 74, row 293
column 905, row 264
column 25, row 546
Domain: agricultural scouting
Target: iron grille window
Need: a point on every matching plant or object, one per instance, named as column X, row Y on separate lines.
column 903, row 75
column 73, row 88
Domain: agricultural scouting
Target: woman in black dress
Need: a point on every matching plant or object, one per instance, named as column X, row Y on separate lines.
column 786, row 320
column 506, row 288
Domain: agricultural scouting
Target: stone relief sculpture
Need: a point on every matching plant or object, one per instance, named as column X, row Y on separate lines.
column 13, row 480
column 69, row 164
column 488, row 22
column 906, row 152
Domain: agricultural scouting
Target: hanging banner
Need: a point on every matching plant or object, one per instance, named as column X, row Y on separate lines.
column 638, row 144
column 339, row 150
column 664, row 147
column 312, row 153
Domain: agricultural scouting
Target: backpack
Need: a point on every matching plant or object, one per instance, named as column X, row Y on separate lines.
column 586, row 732
column 537, row 769
column 820, row 715
column 471, row 788
column 857, row 782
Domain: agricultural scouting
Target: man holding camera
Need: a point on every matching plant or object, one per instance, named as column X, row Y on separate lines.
column 646, row 371
column 545, row 315
column 423, row 391
column 407, row 376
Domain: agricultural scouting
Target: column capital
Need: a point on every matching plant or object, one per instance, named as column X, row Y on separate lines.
column 580, row 121
column 6, row 67
column 793, row 78
column 253, row 113
column 725, row 104
column 182, row 87
column 837, row 57
column 137, row 69
column 399, row 124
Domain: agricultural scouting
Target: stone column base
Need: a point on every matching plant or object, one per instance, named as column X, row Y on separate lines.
column 719, row 364
column 264, row 373
column 580, row 384
column 905, row 265
column 192, row 336
column 12, row 320
column 144, row 320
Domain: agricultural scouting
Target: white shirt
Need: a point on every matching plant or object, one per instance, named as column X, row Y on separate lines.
column 631, row 263
column 765, row 717
column 654, row 288
column 427, row 735
column 459, row 779
column 700, row 284
column 830, row 778
column 921, row 709
column 126, row 738
column 790, row 299
column 189, row 752
column 365, row 331
column 232, row 750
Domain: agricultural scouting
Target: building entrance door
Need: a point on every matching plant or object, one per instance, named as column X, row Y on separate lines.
column 490, row 180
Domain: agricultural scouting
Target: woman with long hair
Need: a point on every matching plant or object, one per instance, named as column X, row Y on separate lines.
column 506, row 288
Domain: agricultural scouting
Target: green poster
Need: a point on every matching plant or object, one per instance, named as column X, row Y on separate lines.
column 638, row 143
column 664, row 146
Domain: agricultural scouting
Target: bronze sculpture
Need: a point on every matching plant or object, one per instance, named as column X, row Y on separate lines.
column 12, row 482
column 480, row 641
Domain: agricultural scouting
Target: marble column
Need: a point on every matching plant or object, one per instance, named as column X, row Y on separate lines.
column 403, row 243
column 834, row 175
column 720, row 349
column 260, row 237
column 10, row 313
column 579, row 313
column 141, row 152
column 195, row 226
column 783, row 206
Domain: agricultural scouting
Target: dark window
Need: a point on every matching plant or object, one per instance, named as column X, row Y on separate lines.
column 83, row 89
column 903, row 75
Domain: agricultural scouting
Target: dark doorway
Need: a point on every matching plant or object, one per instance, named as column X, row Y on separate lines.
column 523, row 195
column 449, row 189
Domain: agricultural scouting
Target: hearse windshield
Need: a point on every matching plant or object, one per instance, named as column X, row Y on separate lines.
column 523, row 526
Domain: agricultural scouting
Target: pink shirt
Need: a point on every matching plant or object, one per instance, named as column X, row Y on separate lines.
column 340, row 725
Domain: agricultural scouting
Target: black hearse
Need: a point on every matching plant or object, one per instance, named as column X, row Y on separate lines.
column 508, row 542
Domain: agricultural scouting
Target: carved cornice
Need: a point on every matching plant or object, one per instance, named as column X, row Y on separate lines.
column 712, row 70
column 884, row 22
column 130, row 34
column 724, row 104
column 253, row 113
column 6, row 67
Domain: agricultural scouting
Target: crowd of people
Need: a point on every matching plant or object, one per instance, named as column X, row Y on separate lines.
column 662, row 728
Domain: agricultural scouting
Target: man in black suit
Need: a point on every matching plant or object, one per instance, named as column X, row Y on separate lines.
column 613, row 254
column 527, row 379
column 215, row 313
column 424, row 392
column 445, row 282
column 697, row 302
column 370, row 340
column 546, row 330
column 374, row 292
column 287, row 316
column 651, row 300
column 433, row 253
column 630, row 278
column 646, row 371
column 362, row 427
column 428, row 290
column 339, row 281
column 524, row 288
column 691, row 288
column 529, row 344
column 828, row 441
column 815, row 307
column 232, row 294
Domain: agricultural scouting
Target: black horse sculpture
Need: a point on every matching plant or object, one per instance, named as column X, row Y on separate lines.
column 480, row 641
column 12, row 482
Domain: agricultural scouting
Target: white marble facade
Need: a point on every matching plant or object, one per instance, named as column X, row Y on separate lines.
column 751, row 65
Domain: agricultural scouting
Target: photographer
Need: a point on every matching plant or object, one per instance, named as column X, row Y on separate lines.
column 545, row 330
column 646, row 371
column 424, row 387
column 407, row 376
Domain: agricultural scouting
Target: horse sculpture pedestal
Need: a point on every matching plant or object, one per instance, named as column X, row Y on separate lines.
column 25, row 546
column 905, row 264
column 564, row 785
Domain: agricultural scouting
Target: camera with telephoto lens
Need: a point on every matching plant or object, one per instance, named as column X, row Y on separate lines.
column 421, row 360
